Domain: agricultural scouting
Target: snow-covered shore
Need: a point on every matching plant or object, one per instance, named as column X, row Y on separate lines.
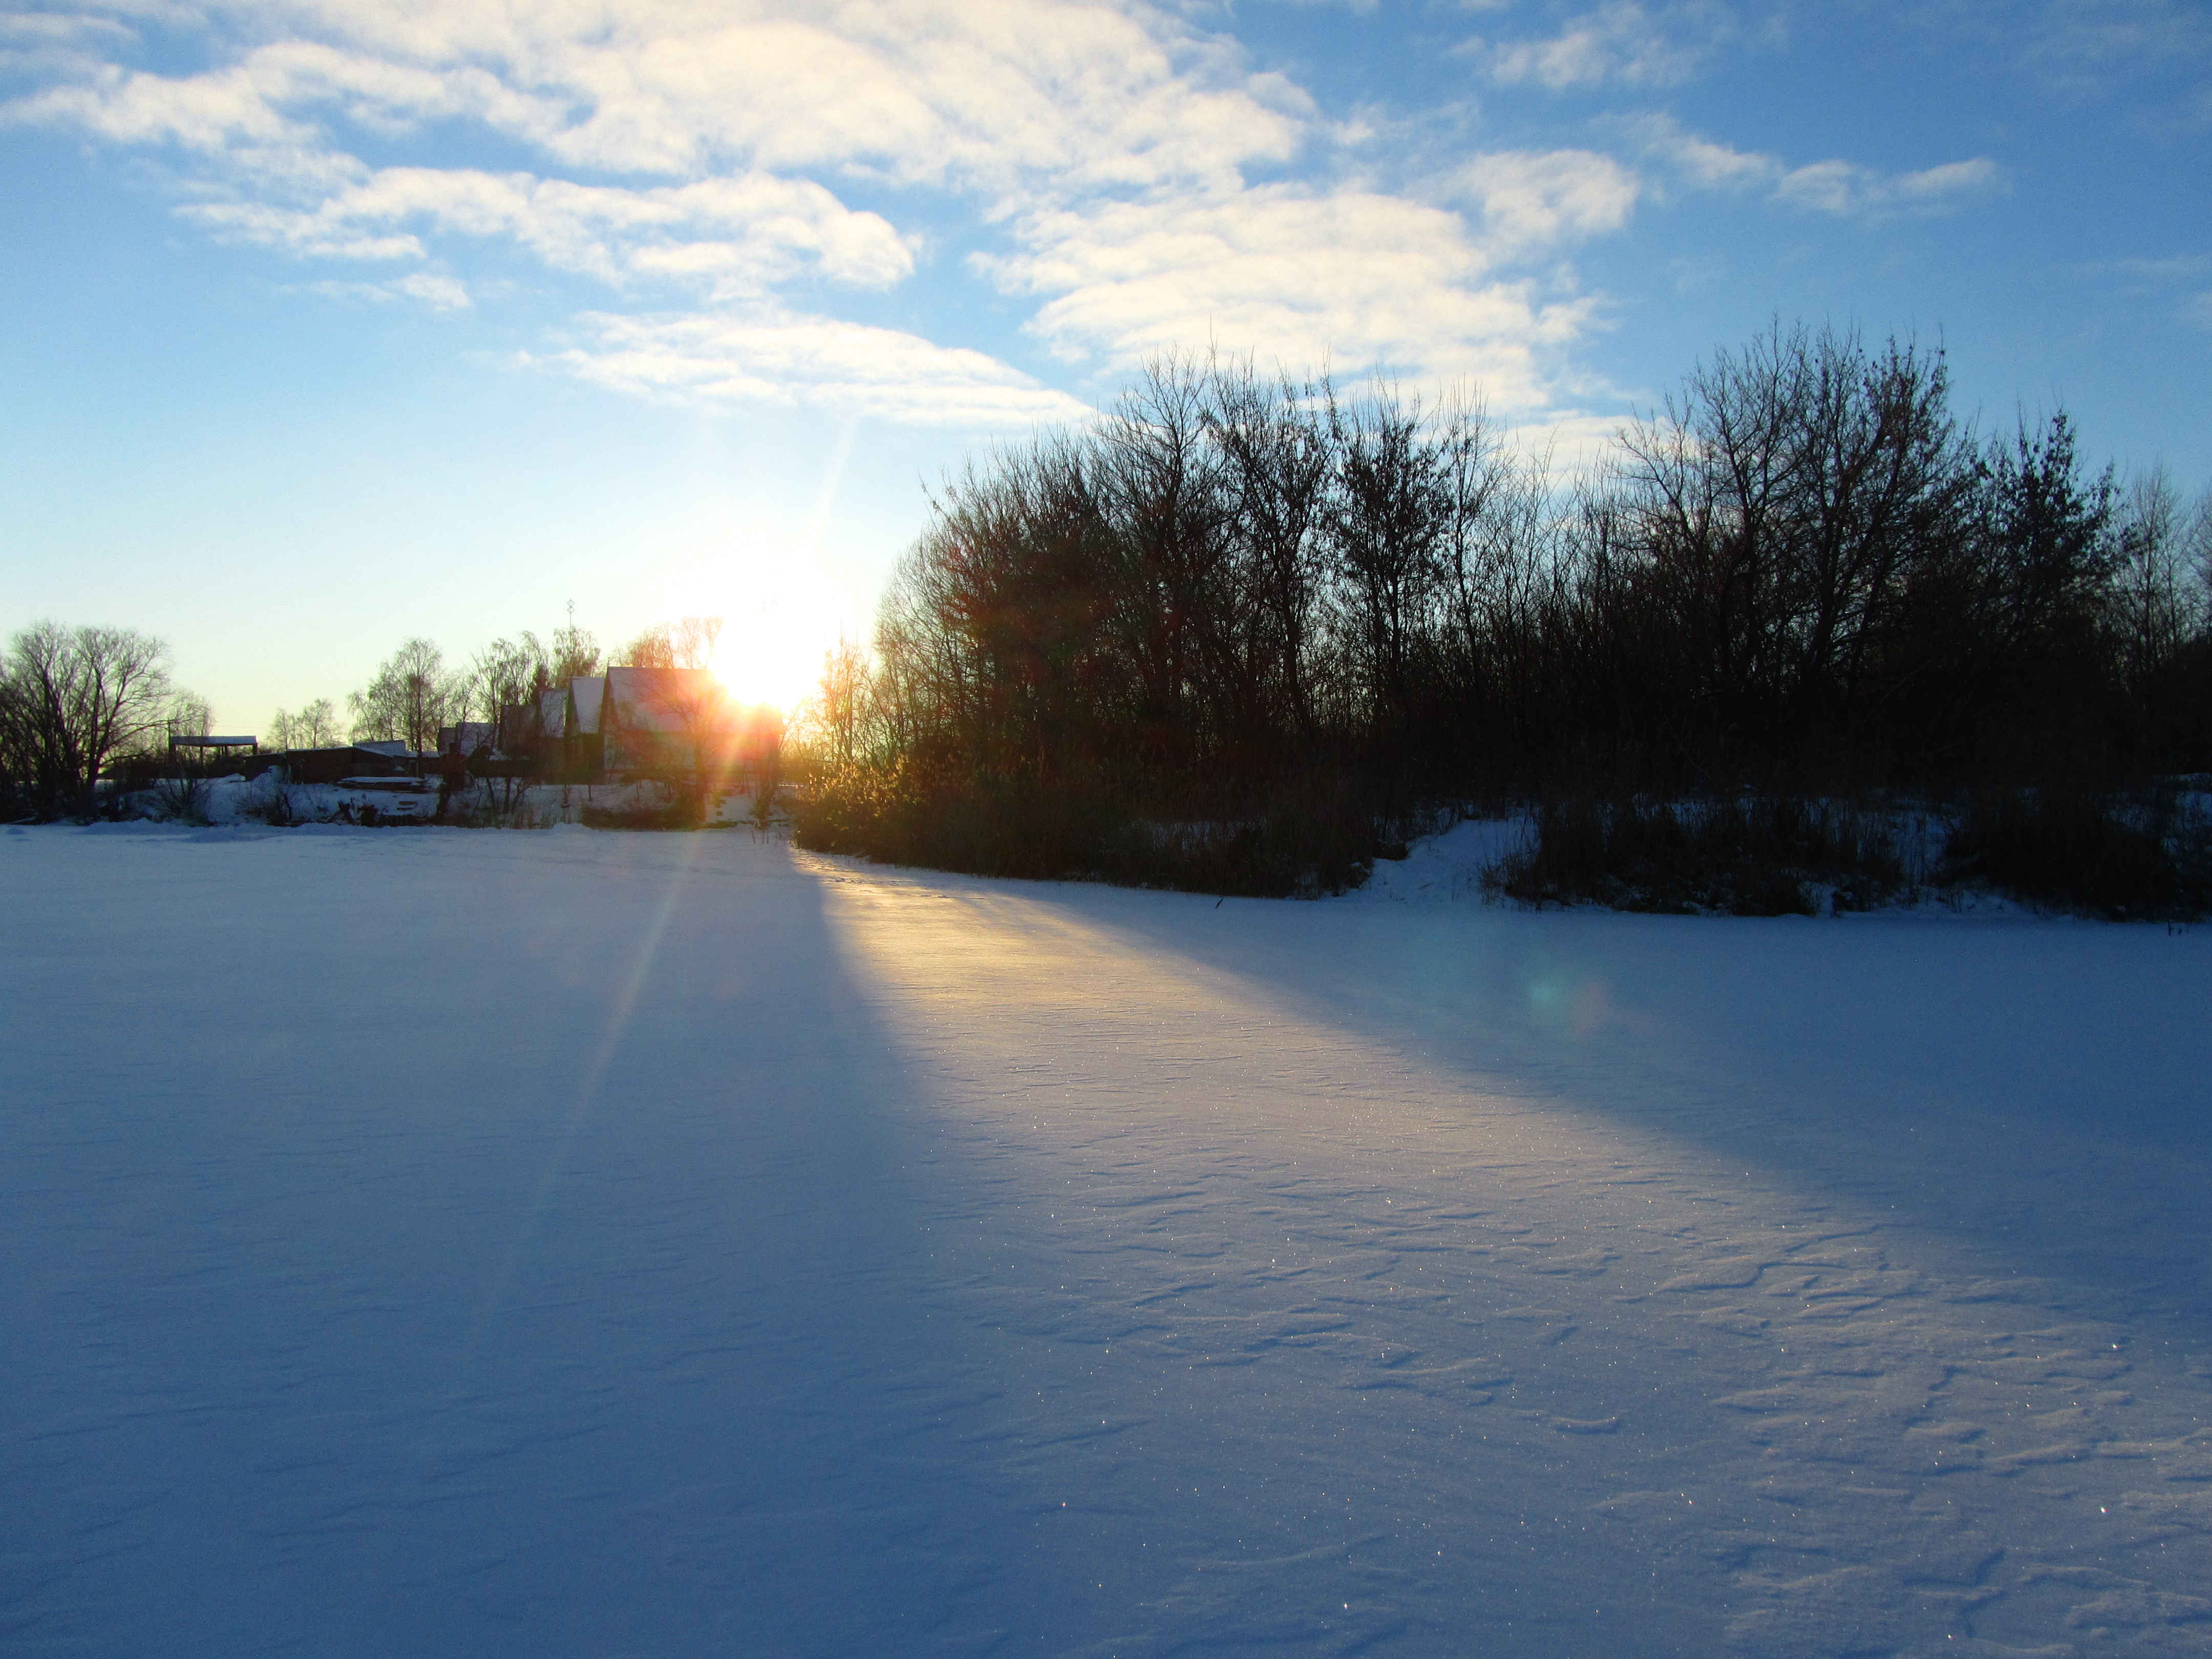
column 447, row 1243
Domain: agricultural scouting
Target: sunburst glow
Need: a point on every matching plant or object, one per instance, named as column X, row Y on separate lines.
column 762, row 667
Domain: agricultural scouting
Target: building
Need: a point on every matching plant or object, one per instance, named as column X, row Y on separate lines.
column 201, row 747
column 631, row 723
column 476, row 739
column 582, row 744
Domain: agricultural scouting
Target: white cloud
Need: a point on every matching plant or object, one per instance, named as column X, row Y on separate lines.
column 1684, row 161
column 777, row 357
column 1621, row 43
column 438, row 292
column 1849, row 190
column 1532, row 199
column 987, row 95
column 1350, row 277
column 735, row 234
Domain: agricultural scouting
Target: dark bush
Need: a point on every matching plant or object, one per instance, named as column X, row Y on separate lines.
column 1313, row 836
column 1761, row 857
column 2094, row 852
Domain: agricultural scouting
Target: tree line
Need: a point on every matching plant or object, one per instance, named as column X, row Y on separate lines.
column 1235, row 599
column 78, row 701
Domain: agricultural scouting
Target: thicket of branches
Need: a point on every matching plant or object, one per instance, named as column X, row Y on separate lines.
column 1276, row 615
column 75, row 698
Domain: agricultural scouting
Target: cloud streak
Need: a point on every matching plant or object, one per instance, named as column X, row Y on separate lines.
column 1621, row 44
column 1680, row 159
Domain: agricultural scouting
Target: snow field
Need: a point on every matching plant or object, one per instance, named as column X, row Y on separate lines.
column 441, row 1242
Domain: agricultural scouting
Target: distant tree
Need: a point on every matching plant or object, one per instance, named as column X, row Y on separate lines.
column 2196, row 540
column 2160, row 598
column 189, row 715
column 411, row 696
column 573, row 654
column 693, row 642
column 2157, row 590
column 686, row 644
column 508, row 673
column 830, row 719
column 75, row 698
column 316, row 726
column 651, row 648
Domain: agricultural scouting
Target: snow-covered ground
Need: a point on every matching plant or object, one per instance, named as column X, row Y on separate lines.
column 449, row 1242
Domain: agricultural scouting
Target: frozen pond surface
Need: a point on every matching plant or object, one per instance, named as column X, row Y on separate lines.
column 429, row 1243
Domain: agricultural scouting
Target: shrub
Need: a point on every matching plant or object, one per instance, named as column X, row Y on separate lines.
column 180, row 799
column 1762, row 856
column 2090, row 851
column 1306, row 836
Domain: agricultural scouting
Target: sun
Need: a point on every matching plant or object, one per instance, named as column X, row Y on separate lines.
column 768, row 658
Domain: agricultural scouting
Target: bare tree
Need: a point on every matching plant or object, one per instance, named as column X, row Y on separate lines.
column 80, row 697
column 693, row 640
column 700, row 708
column 508, row 674
column 686, row 644
column 316, row 726
column 651, row 648
column 189, row 715
column 574, row 653
column 832, row 716
column 2156, row 582
column 411, row 696
column 1387, row 531
column 1280, row 463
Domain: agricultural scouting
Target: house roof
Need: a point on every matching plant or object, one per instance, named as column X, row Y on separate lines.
column 586, row 697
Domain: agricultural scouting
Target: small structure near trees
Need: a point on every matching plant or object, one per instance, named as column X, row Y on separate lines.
column 203, row 746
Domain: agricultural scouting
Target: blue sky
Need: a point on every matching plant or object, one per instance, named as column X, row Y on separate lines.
column 336, row 321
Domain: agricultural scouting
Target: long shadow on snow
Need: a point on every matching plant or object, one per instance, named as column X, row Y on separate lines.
column 475, row 1246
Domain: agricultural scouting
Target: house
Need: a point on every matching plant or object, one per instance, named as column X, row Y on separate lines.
column 582, row 744
column 522, row 732
column 476, row 739
column 635, row 722
column 680, row 721
column 662, row 719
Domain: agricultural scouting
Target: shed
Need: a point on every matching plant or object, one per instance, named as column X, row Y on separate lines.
column 210, row 747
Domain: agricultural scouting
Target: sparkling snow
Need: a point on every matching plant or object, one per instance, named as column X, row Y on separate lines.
column 438, row 1243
